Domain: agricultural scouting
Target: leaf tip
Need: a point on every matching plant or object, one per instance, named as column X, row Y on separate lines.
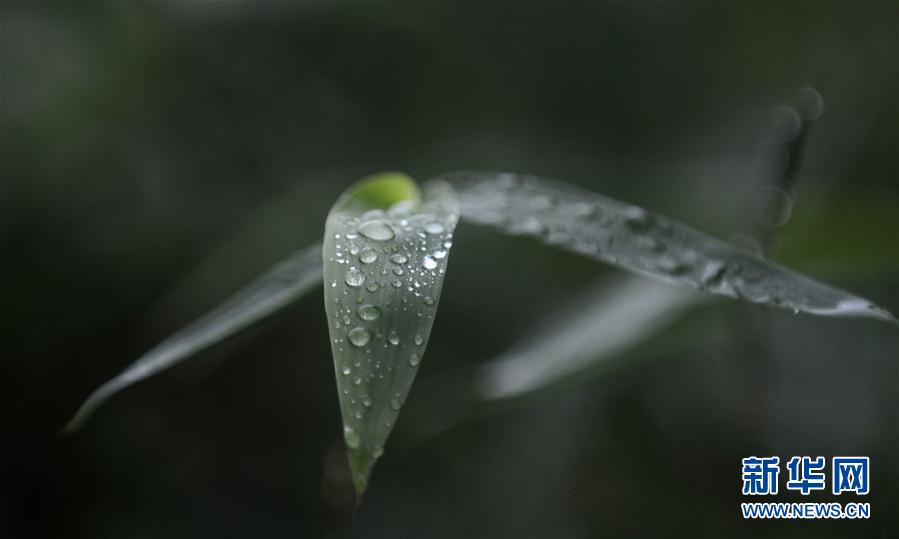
column 361, row 464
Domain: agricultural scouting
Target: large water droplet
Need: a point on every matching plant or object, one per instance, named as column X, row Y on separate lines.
column 359, row 336
column 368, row 255
column 376, row 230
column 368, row 312
column 428, row 262
column 393, row 338
column 354, row 277
column 398, row 258
column 433, row 227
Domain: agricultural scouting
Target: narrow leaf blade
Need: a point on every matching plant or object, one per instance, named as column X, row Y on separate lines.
column 278, row 287
column 611, row 319
column 599, row 227
column 385, row 253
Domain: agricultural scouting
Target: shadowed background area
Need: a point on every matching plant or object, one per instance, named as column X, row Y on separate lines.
column 156, row 156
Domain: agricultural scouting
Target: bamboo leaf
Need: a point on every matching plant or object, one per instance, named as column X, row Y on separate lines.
column 385, row 253
column 599, row 227
column 282, row 284
column 610, row 319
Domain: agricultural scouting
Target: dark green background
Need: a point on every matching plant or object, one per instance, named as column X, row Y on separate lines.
column 155, row 156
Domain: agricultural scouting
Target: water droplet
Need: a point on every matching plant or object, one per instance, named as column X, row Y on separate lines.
column 368, row 255
column 438, row 254
column 528, row 225
column 403, row 207
column 376, row 230
column 428, row 300
column 395, row 404
column 351, row 438
column 368, row 312
column 372, row 286
column 397, row 283
column 357, row 381
column 346, row 371
column 359, row 336
column 671, row 266
column 433, row 227
column 358, row 414
column 366, row 402
column 354, row 277
column 636, row 218
column 418, row 340
column 377, row 451
column 414, row 360
column 393, row 338
column 398, row 258
column 582, row 209
column 712, row 272
column 428, row 262
column 333, row 284
column 398, row 271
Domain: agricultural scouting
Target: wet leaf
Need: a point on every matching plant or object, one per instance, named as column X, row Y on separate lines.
column 577, row 220
column 385, row 253
column 285, row 282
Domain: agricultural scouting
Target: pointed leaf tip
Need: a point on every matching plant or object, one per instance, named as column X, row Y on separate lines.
column 273, row 290
column 385, row 256
column 633, row 238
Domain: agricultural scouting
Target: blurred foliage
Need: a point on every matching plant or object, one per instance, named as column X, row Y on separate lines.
column 155, row 156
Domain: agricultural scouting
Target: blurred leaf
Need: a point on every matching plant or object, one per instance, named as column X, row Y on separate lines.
column 385, row 254
column 285, row 282
column 577, row 220
column 609, row 320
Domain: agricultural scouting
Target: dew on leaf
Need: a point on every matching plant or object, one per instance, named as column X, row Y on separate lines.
column 369, row 312
column 359, row 336
column 376, row 230
column 354, row 277
column 368, row 255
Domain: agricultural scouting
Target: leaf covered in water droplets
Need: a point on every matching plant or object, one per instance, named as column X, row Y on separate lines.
column 633, row 238
column 385, row 253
